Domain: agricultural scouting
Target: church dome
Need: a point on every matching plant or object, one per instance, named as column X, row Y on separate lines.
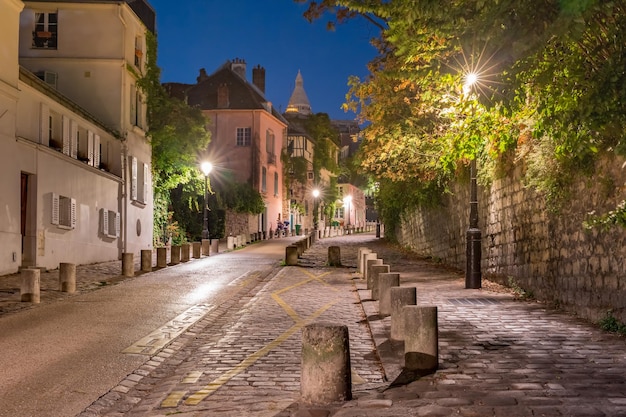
column 299, row 102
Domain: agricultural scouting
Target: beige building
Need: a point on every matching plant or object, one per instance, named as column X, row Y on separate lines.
column 73, row 153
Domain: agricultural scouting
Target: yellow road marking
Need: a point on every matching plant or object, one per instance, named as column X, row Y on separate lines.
column 173, row 399
column 192, row 377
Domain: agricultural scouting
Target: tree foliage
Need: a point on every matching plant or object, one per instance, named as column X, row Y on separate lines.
column 550, row 87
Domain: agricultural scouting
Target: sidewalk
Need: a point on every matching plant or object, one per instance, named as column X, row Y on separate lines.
column 498, row 356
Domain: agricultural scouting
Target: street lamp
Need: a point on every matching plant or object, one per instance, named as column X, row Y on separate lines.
column 346, row 201
column 473, row 237
column 206, row 168
column 316, row 194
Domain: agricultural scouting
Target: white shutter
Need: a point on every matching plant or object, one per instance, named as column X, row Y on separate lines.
column 104, row 221
column 90, row 147
column 73, row 213
column 55, row 209
column 118, row 219
column 44, row 125
column 73, row 139
column 65, row 127
column 96, row 151
column 133, row 178
column 146, row 173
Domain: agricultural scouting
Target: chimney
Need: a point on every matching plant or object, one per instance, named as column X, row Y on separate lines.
column 258, row 77
column 203, row 76
column 239, row 66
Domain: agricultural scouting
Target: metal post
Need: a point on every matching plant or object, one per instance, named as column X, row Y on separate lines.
column 205, row 230
column 473, row 236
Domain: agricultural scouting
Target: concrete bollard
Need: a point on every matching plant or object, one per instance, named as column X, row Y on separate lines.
column 30, row 289
column 67, row 277
column 334, row 256
column 215, row 246
column 385, row 283
column 326, row 374
column 400, row 297
column 184, row 252
column 421, row 338
column 146, row 260
column 300, row 245
column 206, row 247
column 359, row 258
column 367, row 256
column 291, row 255
column 230, row 242
column 372, row 279
column 196, row 250
column 175, row 254
column 128, row 264
column 161, row 257
column 368, row 268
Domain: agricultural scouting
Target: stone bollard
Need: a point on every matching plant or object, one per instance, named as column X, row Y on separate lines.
column 359, row 258
column 230, row 242
column 175, row 254
column 367, row 256
column 385, row 283
column 300, row 246
column 326, row 374
column 161, row 257
column 67, row 277
column 368, row 268
column 206, row 247
column 372, row 279
column 334, row 256
column 215, row 246
column 146, row 260
column 400, row 297
column 29, row 291
column 196, row 249
column 291, row 255
column 421, row 338
column 128, row 264
column 184, row 252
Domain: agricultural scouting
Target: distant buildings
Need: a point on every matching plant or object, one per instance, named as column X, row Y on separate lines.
column 74, row 158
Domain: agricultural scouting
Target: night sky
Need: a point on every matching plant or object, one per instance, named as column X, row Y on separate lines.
column 194, row 34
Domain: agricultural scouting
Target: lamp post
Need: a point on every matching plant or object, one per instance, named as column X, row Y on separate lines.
column 206, row 168
column 316, row 194
column 473, row 237
column 346, row 201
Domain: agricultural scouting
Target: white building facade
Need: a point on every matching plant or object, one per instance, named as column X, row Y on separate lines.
column 73, row 151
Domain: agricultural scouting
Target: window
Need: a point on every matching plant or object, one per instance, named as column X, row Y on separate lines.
column 45, row 33
column 339, row 213
column 264, row 179
column 138, row 51
column 136, row 107
column 109, row 223
column 275, row 184
column 63, row 212
column 139, row 174
column 244, row 135
column 269, row 147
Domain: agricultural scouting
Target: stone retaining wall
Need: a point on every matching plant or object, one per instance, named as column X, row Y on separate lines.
column 548, row 254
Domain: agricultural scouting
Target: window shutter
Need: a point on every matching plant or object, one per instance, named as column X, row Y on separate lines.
column 133, row 178
column 90, row 147
column 44, row 132
column 146, row 173
column 117, row 224
column 96, row 151
column 65, row 126
column 73, row 139
column 133, row 105
column 73, row 213
column 104, row 221
column 55, row 209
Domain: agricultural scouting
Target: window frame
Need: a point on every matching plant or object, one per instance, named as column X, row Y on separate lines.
column 243, row 136
column 46, row 33
column 63, row 213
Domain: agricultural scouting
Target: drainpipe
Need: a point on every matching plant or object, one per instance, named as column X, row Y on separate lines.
column 124, row 198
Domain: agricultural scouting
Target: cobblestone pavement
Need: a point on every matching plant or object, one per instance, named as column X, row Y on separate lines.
column 498, row 356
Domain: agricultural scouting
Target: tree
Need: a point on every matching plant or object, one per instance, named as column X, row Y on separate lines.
column 177, row 134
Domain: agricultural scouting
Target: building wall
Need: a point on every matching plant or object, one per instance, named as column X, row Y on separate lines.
column 548, row 254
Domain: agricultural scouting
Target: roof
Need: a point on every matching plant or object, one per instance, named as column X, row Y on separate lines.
column 299, row 102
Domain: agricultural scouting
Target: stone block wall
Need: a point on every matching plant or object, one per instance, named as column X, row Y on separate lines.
column 547, row 253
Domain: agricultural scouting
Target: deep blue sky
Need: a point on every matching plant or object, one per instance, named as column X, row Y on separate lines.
column 194, row 34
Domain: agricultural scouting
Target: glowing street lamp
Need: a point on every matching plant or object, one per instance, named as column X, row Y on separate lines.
column 316, row 194
column 473, row 237
column 206, row 168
